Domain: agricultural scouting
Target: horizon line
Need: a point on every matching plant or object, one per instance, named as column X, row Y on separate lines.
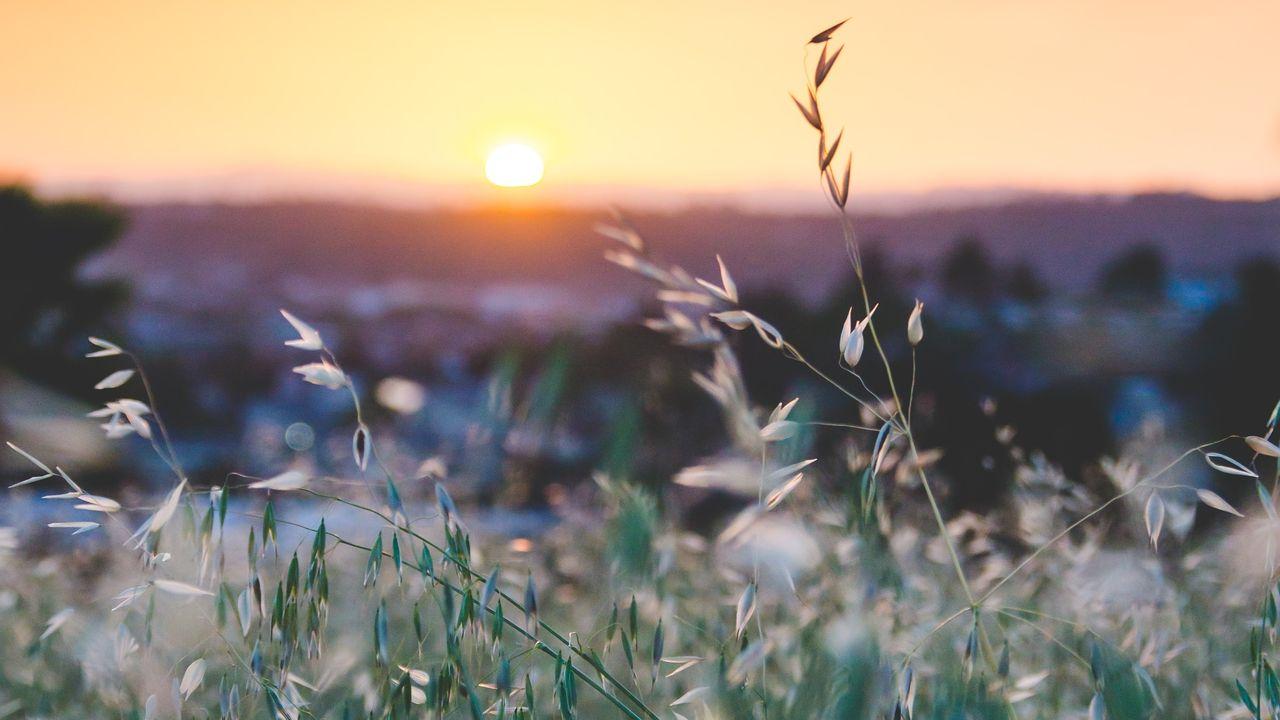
column 252, row 187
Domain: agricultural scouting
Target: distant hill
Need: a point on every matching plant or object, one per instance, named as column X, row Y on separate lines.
column 211, row 255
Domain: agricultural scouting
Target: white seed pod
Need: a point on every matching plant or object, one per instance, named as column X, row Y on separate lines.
column 166, row 510
column 726, row 282
column 1262, row 446
column 108, row 349
column 778, row 494
column 780, row 430
column 915, row 328
column 134, row 412
column 322, row 373
column 192, row 678
column 287, row 480
column 56, row 622
column 851, row 350
column 768, row 333
column 114, row 380
column 846, row 330
column 1215, row 501
column 79, row 526
column 727, row 290
column 746, row 608
column 736, row 319
column 622, row 234
column 97, row 503
column 173, row 587
column 690, row 696
column 783, row 410
column 360, row 447
column 308, row 337
column 1228, row 465
column 852, row 340
column 1154, row 516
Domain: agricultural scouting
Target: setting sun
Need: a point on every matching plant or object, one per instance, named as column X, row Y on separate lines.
column 513, row 165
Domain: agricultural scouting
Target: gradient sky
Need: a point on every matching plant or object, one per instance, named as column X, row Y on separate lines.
column 177, row 97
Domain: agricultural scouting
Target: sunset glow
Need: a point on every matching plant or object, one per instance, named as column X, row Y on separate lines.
column 513, row 165
column 159, row 98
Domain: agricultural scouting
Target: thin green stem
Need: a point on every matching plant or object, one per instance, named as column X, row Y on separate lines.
column 508, row 622
column 1094, row 513
column 911, row 394
column 1048, row 635
column 925, row 638
column 794, row 353
column 846, row 426
column 466, row 567
column 169, row 456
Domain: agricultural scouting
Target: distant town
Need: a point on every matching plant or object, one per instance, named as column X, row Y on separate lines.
column 1096, row 307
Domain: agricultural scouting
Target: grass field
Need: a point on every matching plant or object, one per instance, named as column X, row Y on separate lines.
column 842, row 586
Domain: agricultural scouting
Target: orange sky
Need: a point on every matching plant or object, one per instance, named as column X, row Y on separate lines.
column 174, row 97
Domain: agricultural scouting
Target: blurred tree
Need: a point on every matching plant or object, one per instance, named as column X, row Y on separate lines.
column 967, row 273
column 48, row 307
column 1024, row 284
column 1235, row 378
column 1137, row 274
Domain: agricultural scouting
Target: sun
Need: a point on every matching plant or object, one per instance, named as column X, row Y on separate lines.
column 513, row 165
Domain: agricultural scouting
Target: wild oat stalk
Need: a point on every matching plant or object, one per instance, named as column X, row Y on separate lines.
column 681, row 291
column 300, row 610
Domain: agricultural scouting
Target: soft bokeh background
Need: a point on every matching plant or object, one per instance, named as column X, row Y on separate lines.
column 1082, row 192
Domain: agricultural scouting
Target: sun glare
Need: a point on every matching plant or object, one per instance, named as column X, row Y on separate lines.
column 513, row 165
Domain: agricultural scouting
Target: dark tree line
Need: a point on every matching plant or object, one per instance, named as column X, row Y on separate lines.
column 49, row 307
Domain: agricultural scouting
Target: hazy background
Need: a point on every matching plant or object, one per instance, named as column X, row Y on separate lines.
column 1084, row 193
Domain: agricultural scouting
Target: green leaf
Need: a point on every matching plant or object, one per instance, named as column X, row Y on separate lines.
column 490, row 588
column 374, row 567
column 426, row 565
column 612, row 630
column 499, row 622
column 393, row 500
column 626, row 649
column 292, row 578
column 447, row 509
column 395, row 557
column 659, row 640
column 530, row 699
column 268, row 524
column 503, row 679
column 634, row 619
column 530, row 605
column 222, row 507
column 381, row 650
column 1247, row 700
